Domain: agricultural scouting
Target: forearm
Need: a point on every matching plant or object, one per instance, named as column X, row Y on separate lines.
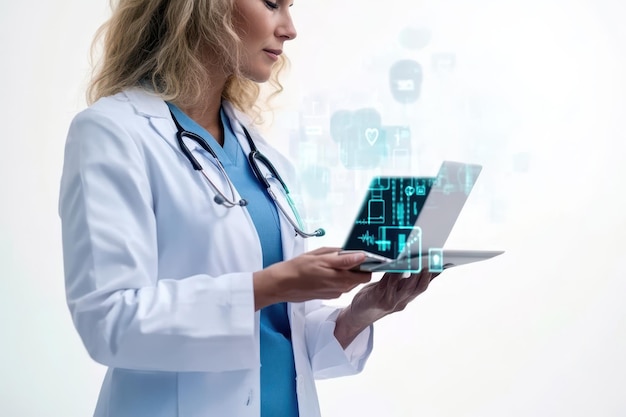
column 170, row 326
column 328, row 358
column 348, row 326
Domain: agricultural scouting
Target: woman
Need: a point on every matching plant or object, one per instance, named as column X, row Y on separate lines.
column 192, row 287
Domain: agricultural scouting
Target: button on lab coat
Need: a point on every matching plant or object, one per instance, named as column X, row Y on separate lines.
column 159, row 276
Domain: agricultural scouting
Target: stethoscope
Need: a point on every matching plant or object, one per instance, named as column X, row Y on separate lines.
column 254, row 157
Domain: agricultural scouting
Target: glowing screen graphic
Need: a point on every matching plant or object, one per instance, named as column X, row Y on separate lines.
column 388, row 214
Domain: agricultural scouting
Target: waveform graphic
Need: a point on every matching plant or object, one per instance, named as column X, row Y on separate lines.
column 368, row 239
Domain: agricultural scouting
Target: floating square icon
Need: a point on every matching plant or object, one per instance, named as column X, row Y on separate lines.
column 405, row 80
column 435, row 260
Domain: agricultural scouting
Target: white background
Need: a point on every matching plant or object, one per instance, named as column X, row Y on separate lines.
column 539, row 331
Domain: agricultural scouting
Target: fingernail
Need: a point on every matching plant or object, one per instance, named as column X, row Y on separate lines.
column 358, row 257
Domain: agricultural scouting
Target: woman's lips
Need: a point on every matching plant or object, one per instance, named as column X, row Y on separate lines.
column 273, row 53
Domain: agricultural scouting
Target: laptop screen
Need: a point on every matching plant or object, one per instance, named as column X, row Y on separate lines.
column 445, row 201
column 410, row 215
column 388, row 214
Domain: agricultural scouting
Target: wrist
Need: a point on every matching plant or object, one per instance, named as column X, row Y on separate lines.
column 265, row 290
column 271, row 285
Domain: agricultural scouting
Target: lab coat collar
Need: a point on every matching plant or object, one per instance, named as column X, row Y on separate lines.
column 147, row 104
column 152, row 106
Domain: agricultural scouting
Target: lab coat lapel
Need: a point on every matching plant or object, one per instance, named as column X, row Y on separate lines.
column 158, row 114
column 292, row 243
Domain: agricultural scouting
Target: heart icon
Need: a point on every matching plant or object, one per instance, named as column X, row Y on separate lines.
column 409, row 191
column 371, row 135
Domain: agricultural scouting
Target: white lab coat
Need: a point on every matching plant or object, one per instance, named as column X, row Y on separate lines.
column 159, row 277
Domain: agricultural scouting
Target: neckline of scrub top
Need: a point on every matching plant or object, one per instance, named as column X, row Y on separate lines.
column 227, row 154
column 233, row 160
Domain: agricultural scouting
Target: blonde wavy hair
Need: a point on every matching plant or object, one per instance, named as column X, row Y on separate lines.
column 161, row 44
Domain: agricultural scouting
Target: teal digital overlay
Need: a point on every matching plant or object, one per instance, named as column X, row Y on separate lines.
column 385, row 224
column 435, row 260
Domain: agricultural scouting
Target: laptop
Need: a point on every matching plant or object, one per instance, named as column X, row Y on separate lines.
column 404, row 222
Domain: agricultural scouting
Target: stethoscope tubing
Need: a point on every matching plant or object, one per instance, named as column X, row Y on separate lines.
column 253, row 156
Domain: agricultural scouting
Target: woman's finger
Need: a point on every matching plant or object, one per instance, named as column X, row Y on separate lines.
column 324, row 250
column 434, row 275
column 423, row 279
column 416, row 284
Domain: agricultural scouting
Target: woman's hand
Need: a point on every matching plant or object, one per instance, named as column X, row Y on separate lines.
column 377, row 300
column 320, row 274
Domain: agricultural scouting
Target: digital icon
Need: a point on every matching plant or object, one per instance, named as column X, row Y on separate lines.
column 358, row 133
column 314, row 114
column 435, row 259
column 376, row 210
column 405, row 85
column 405, row 80
column 398, row 139
column 371, row 135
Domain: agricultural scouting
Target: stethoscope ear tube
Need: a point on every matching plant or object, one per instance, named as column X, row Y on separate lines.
column 194, row 162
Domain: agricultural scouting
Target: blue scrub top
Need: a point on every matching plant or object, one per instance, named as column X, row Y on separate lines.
column 278, row 374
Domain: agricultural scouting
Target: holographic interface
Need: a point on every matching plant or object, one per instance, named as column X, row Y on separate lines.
column 388, row 215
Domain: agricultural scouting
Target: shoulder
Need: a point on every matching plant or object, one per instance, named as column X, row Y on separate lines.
column 126, row 105
column 128, row 111
column 121, row 121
